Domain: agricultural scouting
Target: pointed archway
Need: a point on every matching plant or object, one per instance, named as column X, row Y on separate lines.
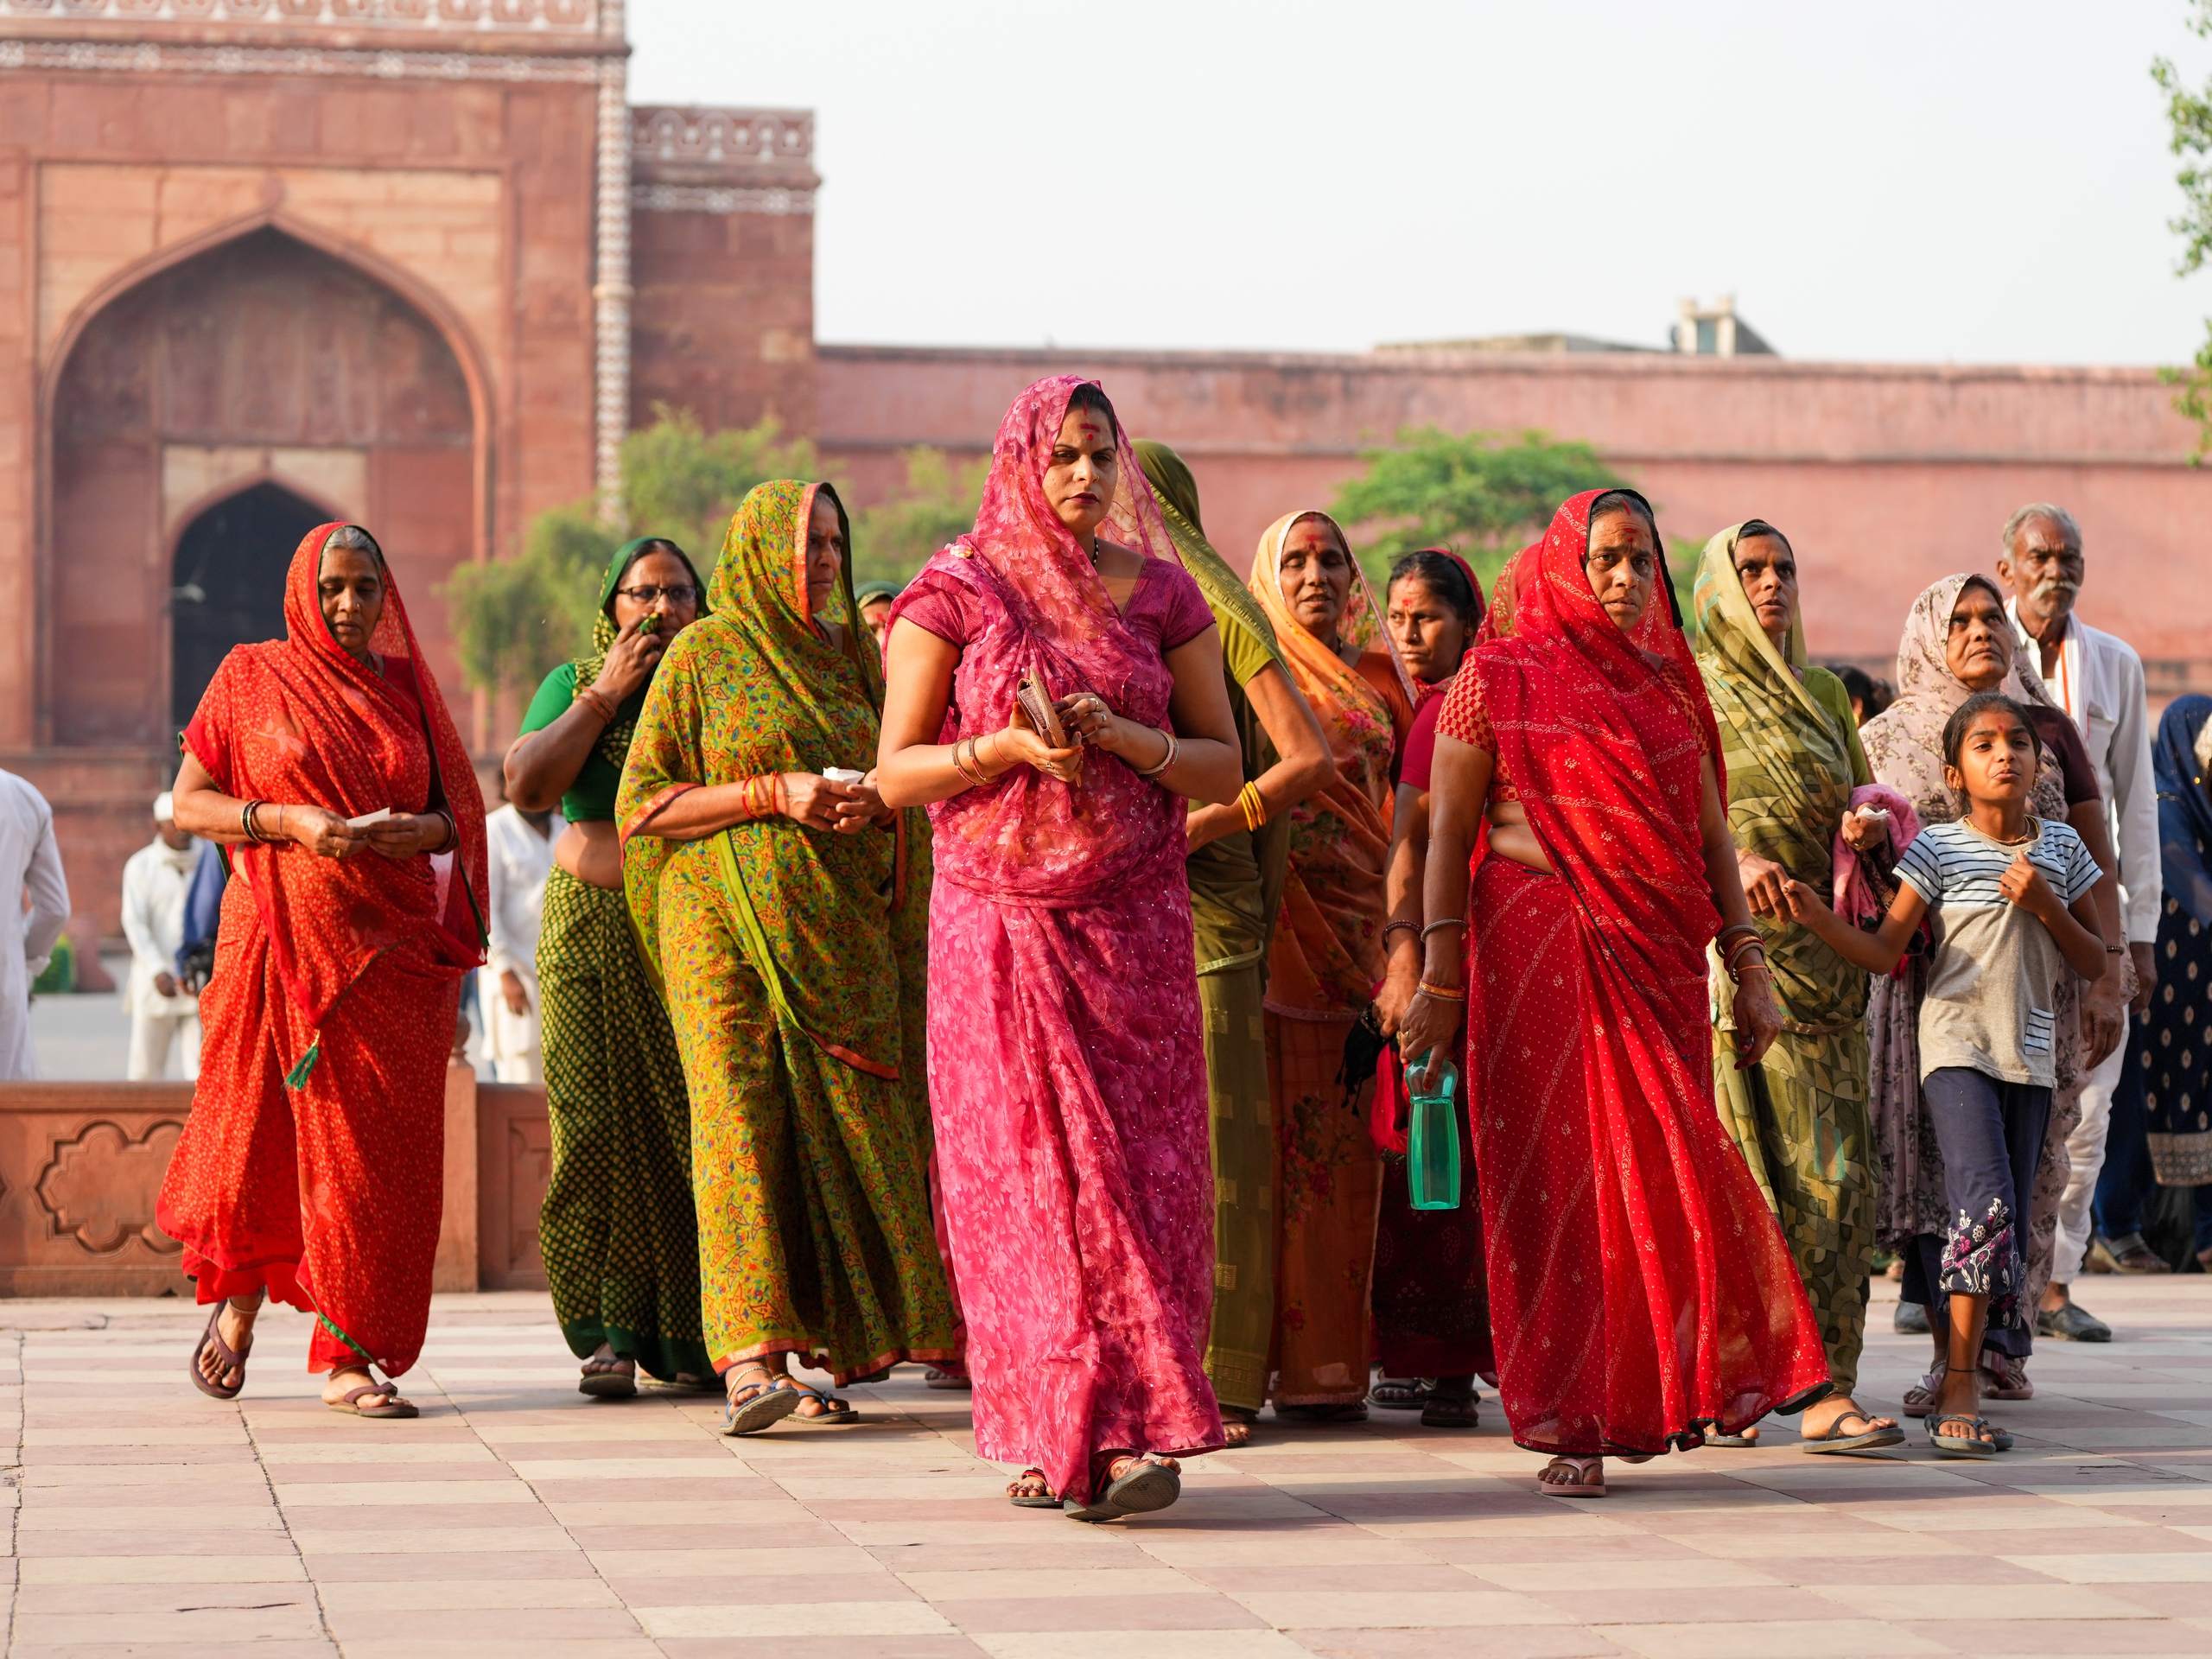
column 229, row 586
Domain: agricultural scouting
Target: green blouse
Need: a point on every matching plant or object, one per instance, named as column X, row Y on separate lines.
column 591, row 796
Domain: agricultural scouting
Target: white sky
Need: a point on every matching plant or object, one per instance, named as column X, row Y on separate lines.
column 1889, row 181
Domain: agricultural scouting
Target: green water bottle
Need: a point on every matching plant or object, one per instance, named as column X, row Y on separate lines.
column 1433, row 1143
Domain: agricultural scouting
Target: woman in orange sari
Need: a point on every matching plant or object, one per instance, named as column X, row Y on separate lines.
column 1325, row 964
column 313, row 1166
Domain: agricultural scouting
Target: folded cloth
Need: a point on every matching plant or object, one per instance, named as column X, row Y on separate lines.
column 1856, row 899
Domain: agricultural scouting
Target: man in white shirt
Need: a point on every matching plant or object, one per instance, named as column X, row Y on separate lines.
column 30, row 868
column 2098, row 680
column 521, row 848
column 163, row 1015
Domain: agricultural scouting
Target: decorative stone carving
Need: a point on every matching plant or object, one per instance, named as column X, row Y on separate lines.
column 443, row 17
column 721, row 138
column 100, row 1188
column 147, row 58
column 710, row 199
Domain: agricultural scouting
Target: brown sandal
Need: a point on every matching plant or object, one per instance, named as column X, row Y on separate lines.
column 213, row 1338
column 393, row 1406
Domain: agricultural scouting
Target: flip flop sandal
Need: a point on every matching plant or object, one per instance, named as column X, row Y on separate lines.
column 1581, row 1486
column 212, row 1336
column 393, row 1407
column 1451, row 1411
column 2003, row 1377
column 1866, row 1440
column 1146, row 1487
column 834, row 1413
column 771, row 1401
column 1400, row 1393
column 609, row 1385
column 938, row 1377
column 1959, row 1445
column 1048, row 1499
column 1719, row 1438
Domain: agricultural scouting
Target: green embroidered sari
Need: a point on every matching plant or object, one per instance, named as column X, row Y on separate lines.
column 795, row 962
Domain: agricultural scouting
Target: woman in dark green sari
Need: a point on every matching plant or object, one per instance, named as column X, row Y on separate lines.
column 617, row 1231
column 1239, row 854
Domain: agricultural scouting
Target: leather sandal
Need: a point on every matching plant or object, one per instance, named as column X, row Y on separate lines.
column 1146, row 1487
column 350, row 1402
column 1048, row 1499
column 213, row 1338
column 1968, row 1445
column 1400, row 1393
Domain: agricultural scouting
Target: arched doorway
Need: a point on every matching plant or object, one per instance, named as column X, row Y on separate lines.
column 265, row 357
column 229, row 590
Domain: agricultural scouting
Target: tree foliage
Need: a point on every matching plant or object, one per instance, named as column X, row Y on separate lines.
column 515, row 619
column 893, row 540
column 2189, row 121
column 1481, row 495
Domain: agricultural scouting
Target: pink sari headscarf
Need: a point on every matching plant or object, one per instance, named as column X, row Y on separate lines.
column 1026, row 835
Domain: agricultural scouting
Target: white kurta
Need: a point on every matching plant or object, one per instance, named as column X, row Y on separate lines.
column 30, row 864
column 154, row 884
column 520, row 860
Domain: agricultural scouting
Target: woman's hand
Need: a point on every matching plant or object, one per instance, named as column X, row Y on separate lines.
column 1020, row 744
column 405, row 834
column 1427, row 1026
column 1088, row 720
column 1866, row 827
column 1400, row 980
column 630, row 659
column 1765, row 885
column 321, row 832
column 864, row 809
column 815, row 802
column 1759, row 1021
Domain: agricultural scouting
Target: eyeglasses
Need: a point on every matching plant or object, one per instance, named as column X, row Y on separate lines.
column 646, row 595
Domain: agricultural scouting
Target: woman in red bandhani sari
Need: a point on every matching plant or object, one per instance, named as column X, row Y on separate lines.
column 1640, row 1292
column 312, row 1168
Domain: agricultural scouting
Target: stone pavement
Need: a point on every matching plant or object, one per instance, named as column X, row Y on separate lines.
column 516, row 1516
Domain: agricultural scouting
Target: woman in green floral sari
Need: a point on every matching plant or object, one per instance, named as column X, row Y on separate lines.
column 1799, row 1116
column 616, row 1230
column 785, row 911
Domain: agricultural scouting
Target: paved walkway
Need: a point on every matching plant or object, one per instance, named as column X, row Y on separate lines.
column 518, row 1517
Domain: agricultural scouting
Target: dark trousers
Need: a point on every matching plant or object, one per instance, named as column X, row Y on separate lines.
column 1991, row 1132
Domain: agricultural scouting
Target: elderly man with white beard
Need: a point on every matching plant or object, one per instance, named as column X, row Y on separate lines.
column 2098, row 680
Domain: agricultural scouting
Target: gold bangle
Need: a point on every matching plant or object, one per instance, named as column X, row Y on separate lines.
column 1443, row 993
column 1253, row 805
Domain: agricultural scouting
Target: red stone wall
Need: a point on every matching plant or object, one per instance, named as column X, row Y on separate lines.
column 1886, row 477
column 722, row 323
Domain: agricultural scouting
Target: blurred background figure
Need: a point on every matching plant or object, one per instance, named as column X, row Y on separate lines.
column 202, row 916
column 32, row 887
column 164, row 1015
column 522, row 857
column 875, row 599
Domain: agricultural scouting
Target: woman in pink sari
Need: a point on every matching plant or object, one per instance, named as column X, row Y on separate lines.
column 1067, row 1072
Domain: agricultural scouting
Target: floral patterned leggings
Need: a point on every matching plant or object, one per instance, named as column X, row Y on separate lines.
column 1992, row 1133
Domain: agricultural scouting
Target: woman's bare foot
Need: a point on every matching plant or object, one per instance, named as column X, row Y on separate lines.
column 1574, row 1477
column 1122, row 1462
column 1822, row 1417
column 1031, row 1483
column 1237, row 1425
column 235, row 1326
column 608, row 1363
column 346, row 1378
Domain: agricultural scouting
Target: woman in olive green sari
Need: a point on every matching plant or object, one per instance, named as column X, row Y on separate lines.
column 786, row 910
column 616, row 1231
column 1799, row 1116
column 1239, row 854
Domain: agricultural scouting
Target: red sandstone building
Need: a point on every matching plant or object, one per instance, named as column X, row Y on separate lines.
column 418, row 263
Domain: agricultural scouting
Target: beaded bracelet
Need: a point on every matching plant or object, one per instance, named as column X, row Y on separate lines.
column 1389, row 928
column 1449, row 921
column 1444, row 993
column 598, row 701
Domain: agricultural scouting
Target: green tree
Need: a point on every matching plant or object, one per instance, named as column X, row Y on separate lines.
column 893, row 540
column 1481, row 495
column 514, row 620
column 2188, row 120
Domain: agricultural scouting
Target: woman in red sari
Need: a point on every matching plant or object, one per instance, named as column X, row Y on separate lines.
column 312, row 1168
column 1640, row 1292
